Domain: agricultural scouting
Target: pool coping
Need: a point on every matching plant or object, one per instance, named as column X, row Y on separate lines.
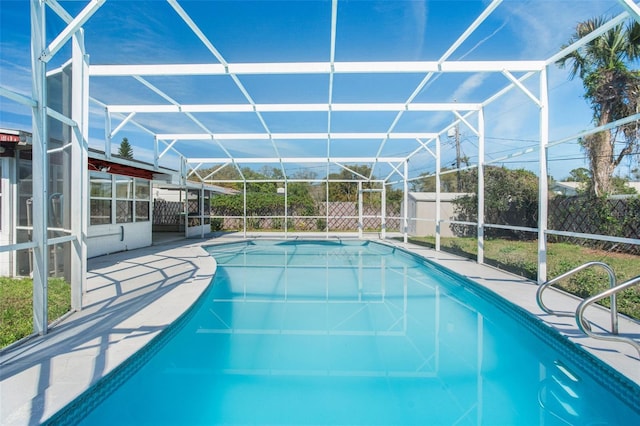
column 45, row 373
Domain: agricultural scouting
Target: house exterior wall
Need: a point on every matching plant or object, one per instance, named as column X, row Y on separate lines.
column 119, row 203
column 104, row 239
column 7, row 213
column 115, row 221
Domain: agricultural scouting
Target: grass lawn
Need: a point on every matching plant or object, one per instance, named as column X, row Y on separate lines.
column 16, row 306
column 521, row 257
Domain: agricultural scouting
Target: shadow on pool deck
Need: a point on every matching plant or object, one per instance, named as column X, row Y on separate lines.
column 125, row 307
column 132, row 296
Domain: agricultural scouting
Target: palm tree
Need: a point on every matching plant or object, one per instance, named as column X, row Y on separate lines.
column 612, row 89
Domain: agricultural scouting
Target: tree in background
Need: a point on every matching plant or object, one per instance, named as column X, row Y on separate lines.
column 510, row 198
column 263, row 198
column 215, row 176
column 345, row 190
column 581, row 175
column 303, row 198
column 460, row 181
column 613, row 91
column 300, row 195
column 125, row 150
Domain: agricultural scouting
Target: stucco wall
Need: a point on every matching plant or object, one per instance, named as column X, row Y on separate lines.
column 422, row 213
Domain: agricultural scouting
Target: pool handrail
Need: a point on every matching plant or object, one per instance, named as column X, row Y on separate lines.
column 584, row 326
column 612, row 284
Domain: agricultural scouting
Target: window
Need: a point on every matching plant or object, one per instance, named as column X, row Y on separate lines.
column 100, row 199
column 120, row 198
column 124, row 199
column 142, row 199
column 25, row 192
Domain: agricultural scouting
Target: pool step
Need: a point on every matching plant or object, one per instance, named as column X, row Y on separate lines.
column 559, row 396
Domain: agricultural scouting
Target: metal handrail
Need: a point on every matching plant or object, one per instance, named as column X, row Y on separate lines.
column 583, row 325
column 612, row 284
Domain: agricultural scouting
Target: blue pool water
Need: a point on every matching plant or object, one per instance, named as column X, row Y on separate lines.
column 356, row 333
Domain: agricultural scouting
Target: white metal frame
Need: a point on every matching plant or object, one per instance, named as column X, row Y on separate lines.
column 40, row 140
column 126, row 114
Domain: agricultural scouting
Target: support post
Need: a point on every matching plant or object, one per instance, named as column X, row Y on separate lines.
column 156, row 155
column 326, row 204
column 437, row 215
column 383, row 219
column 183, row 171
column 543, row 185
column 480, row 258
column 244, row 208
column 405, row 201
column 40, row 166
column 286, row 210
column 201, row 208
column 107, row 133
column 79, row 170
column 360, row 218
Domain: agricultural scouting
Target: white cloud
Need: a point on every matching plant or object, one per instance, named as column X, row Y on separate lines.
column 469, row 85
column 419, row 14
column 544, row 26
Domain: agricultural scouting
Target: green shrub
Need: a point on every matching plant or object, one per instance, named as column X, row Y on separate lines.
column 217, row 224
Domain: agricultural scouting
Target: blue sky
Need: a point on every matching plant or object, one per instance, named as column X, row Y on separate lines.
column 151, row 32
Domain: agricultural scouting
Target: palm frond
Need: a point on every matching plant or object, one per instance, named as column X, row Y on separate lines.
column 633, row 48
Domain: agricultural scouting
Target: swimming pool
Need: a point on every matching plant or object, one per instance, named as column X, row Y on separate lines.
column 353, row 332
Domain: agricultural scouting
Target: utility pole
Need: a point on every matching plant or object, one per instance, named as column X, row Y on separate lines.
column 455, row 135
column 457, row 141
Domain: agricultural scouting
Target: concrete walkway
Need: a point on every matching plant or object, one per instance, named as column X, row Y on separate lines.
column 133, row 295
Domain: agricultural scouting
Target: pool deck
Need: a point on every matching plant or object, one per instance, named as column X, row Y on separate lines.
column 132, row 296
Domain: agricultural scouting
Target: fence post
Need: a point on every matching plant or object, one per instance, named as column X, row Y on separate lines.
column 360, row 218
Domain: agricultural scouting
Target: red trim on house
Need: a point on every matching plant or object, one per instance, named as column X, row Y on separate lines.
column 118, row 169
column 9, row 138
